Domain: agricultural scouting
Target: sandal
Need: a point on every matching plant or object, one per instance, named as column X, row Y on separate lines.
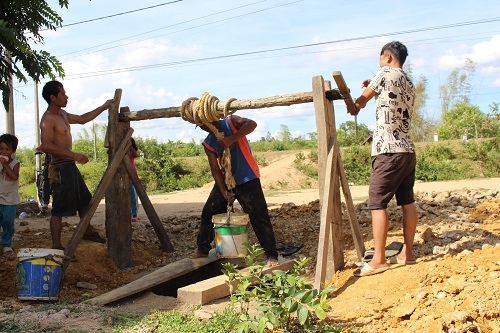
column 94, row 237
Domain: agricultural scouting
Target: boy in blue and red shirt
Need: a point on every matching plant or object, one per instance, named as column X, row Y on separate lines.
column 248, row 190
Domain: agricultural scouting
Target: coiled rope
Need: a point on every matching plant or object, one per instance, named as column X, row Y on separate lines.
column 203, row 111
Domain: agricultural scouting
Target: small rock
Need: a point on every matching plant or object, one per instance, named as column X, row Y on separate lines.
column 86, row 285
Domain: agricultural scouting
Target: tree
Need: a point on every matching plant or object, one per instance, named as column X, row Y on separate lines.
column 421, row 127
column 346, row 133
column 458, row 86
column 284, row 135
column 21, row 22
column 462, row 118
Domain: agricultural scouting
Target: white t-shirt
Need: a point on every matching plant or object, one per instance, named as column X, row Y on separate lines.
column 9, row 189
column 394, row 107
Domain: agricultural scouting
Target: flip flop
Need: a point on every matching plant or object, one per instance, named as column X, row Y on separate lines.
column 287, row 249
column 395, row 260
column 366, row 270
column 390, row 251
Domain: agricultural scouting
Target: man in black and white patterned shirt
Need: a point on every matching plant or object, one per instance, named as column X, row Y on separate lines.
column 393, row 152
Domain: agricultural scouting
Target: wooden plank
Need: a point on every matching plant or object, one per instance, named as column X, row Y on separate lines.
column 356, row 233
column 166, row 244
column 339, row 80
column 353, row 221
column 155, row 278
column 242, row 104
column 324, row 229
column 96, row 199
column 336, row 250
column 322, row 131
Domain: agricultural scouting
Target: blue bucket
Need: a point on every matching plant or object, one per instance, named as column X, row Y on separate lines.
column 39, row 273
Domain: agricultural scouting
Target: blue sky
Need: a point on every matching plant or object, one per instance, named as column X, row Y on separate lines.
column 348, row 38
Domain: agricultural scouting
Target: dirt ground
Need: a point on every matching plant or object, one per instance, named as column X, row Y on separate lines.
column 454, row 287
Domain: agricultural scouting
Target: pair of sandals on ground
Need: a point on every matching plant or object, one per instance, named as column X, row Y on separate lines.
column 391, row 254
column 285, row 249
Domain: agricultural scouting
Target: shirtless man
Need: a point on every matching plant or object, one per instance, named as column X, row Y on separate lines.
column 69, row 191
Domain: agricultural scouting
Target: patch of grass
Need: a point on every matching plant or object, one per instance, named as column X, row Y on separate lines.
column 307, row 165
column 177, row 322
column 261, row 160
column 8, row 326
column 306, row 184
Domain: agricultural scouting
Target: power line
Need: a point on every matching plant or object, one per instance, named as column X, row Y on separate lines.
column 225, row 20
column 136, row 68
column 118, row 14
column 176, row 24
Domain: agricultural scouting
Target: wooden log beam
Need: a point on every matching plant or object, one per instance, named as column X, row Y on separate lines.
column 242, row 104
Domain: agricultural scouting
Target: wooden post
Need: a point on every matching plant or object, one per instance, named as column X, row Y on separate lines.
column 118, row 214
column 96, row 199
column 331, row 214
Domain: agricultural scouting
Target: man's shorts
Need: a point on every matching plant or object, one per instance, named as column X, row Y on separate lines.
column 69, row 191
column 392, row 174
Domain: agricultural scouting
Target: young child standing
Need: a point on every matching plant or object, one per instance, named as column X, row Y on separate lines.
column 9, row 194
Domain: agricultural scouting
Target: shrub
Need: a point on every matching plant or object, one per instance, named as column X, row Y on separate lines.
column 283, row 300
column 357, row 164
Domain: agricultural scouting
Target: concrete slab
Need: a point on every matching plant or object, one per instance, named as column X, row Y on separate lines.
column 211, row 289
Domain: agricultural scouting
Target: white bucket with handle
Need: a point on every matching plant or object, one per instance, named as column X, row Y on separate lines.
column 230, row 234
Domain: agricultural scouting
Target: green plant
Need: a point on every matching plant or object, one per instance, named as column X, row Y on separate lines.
column 261, row 160
column 306, row 166
column 283, row 300
column 11, row 327
column 357, row 164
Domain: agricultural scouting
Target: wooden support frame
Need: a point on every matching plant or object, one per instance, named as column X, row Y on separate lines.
column 330, row 235
column 331, row 171
column 331, row 177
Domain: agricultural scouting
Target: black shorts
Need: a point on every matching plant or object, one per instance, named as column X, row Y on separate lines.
column 69, row 191
column 392, row 174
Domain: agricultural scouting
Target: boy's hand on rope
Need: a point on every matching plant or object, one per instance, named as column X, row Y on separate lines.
column 226, row 142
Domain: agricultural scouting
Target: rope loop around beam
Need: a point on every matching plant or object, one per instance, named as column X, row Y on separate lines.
column 204, row 111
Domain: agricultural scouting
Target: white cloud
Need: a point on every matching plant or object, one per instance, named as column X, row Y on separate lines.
column 483, row 53
column 154, row 51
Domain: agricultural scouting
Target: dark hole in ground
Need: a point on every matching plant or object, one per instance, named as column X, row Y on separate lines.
column 211, row 270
